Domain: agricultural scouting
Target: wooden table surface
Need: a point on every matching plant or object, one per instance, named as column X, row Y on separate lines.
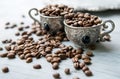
column 105, row 63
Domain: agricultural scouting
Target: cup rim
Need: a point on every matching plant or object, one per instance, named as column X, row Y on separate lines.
column 80, row 27
column 50, row 16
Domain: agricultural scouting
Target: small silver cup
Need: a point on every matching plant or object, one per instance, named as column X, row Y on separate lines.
column 85, row 36
column 49, row 23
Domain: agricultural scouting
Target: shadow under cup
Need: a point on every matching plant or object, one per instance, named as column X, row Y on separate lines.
column 86, row 36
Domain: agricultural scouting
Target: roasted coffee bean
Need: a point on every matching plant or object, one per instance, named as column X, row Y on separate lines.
column 37, row 66
column 49, row 59
column 20, row 28
column 17, row 34
column 13, row 26
column 27, row 26
column 76, row 65
column 1, row 48
column 3, row 55
column 62, row 56
column 22, row 23
column 55, row 65
column 67, row 71
column 5, row 70
column 84, row 56
column 8, row 48
column 82, row 64
column 29, row 60
column 89, row 53
column 78, row 56
column 85, row 68
column 11, row 55
column 88, row 73
column 87, row 61
column 56, row 75
column 75, row 59
column 7, row 23
column 22, row 56
column 76, row 78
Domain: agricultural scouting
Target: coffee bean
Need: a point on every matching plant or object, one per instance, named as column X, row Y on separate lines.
column 75, row 59
column 76, row 78
column 22, row 23
column 84, row 56
column 8, row 48
column 22, row 56
column 5, row 70
column 89, row 53
column 13, row 26
column 3, row 55
column 82, row 65
column 27, row 26
column 88, row 73
column 87, row 61
column 7, row 23
column 17, row 34
column 85, row 68
column 56, row 75
column 37, row 66
column 29, row 60
column 67, row 71
column 78, row 56
column 1, row 48
column 76, row 65
column 11, row 55
column 20, row 28
column 49, row 59
column 55, row 65
column 62, row 56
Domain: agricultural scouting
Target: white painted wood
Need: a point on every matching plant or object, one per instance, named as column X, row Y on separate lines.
column 105, row 63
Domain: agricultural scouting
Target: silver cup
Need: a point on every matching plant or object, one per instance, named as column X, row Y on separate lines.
column 85, row 36
column 49, row 23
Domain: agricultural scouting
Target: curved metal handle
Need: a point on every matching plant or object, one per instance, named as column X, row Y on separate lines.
column 36, row 10
column 105, row 27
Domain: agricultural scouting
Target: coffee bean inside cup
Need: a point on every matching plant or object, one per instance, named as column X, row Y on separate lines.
column 81, row 19
column 56, row 10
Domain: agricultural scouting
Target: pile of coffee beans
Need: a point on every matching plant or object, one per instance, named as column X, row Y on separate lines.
column 27, row 48
column 81, row 19
column 56, row 10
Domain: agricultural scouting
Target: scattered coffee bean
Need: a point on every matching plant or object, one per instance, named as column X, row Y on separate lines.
column 55, row 65
column 37, row 66
column 27, row 27
column 1, row 48
column 107, row 37
column 5, row 70
column 11, row 55
column 17, row 34
column 56, row 75
column 22, row 23
column 82, row 65
column 87, row 61
column 85, row 68
column 76, row 65
column 3, row 55
column 8, row 48
column 29, row 60
column 20, row 28
column 7, row 23
column 88, row 73
column 89, row 53
column 76, row 78
column 67, row 71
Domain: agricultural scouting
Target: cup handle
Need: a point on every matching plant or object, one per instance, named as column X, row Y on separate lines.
column 105, row 27
column 36, row 10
